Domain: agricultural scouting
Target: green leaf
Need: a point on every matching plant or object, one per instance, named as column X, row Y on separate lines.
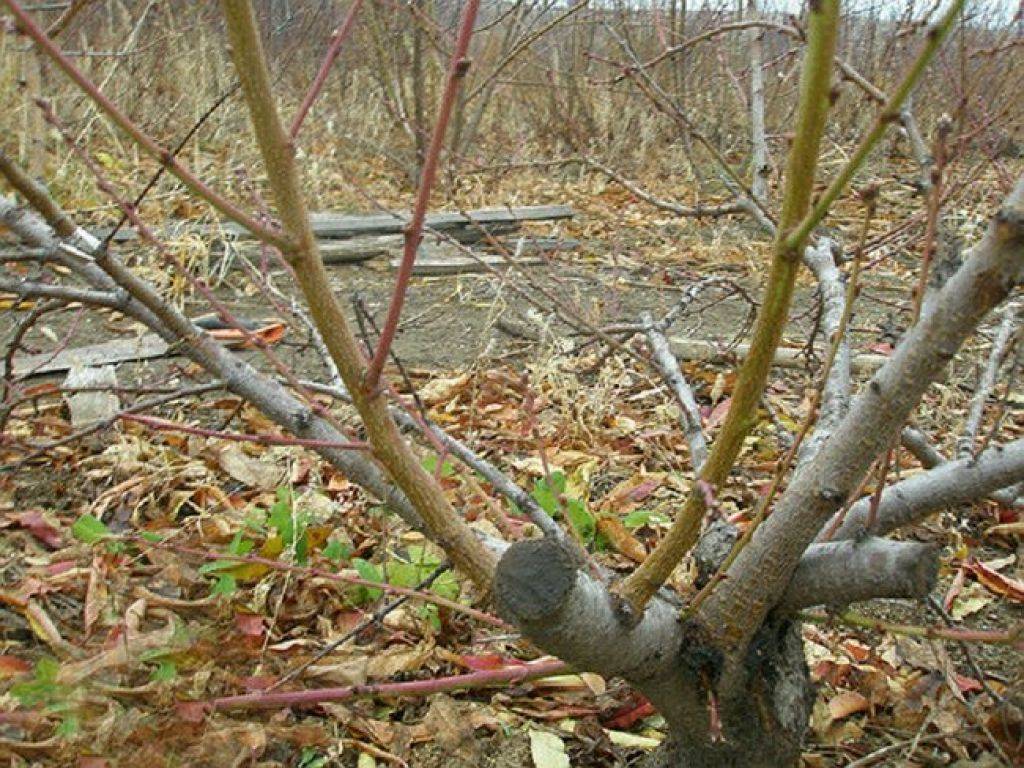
column 428, row 611
column 581, row 519
column 43, row 688
column 430, row 464
column 640, row 517
column 546, row 494
column 47, row 669
column 165, row 671
column 302, row 549
column 226, row 585
column 404, row 574
column 240, row 546
column 89, row 529
column 280, row 520
column 369, row 572
column 68, row 727
column 217, row 565
column 311, row 758
column 156, row 538
column 446, row 586
column 337, row 552
column 423, row 556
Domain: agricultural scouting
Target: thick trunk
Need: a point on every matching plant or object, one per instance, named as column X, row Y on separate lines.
column 761, row 721
column 758, row 720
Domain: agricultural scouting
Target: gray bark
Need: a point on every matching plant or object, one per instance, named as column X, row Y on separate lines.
column 835, row 394
column 843, row 572
column 760, row 574
column 947, row 485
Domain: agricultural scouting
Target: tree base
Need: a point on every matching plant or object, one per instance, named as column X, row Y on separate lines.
column 761, row 723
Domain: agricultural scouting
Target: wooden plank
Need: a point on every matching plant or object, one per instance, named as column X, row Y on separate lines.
column 432, row 262
column 785, row 357
column 328, row 224
column 145, row 347
column 360, row 249
column 334, row 225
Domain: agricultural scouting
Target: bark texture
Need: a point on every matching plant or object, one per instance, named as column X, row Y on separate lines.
column 542, row 588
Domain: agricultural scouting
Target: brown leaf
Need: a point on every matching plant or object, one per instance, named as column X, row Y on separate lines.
column 845, row 704
column 995, row 581
column 12, row 666
column 621, row 539
column 96, row 594
column 35, row 523
column 249, row 624
column 452, row 729
column 255, row 473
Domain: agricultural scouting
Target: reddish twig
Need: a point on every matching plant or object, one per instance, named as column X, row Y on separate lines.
column 457, row 68
column 337, row 40
column 481, row 679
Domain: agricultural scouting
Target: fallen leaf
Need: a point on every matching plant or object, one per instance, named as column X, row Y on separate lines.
column 621, row 539
column 488, row 661
column 629, row 715
column 972, row 599
column 249, row 624
column 255, row 473
column 191, row 711
column 96, row 594
column 267, row 334
column 35, row 523
column 451, row 728
column 441, row 390
column 718, row 414
column 547, row 750
column 845, row 704
column 996, row 582
column 12, row 666
column 1006, row 529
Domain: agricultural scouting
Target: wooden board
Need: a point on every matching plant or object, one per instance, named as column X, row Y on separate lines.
column 453, row 262
column 145, row 347
column 785, row 357
column 328, row 224
column 333, row 225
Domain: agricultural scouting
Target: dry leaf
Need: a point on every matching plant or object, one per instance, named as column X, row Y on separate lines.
column 847, row 703
column 996, row 582
column 547, row 750
column 255, row 473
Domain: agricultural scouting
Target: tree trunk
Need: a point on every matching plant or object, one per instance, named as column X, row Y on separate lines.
column 760, row 720
column 747, row 710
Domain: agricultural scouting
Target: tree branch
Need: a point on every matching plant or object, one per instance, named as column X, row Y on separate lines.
column 965, row 443
column 689, row 411
column 844, row 572
column 389, row 447
column 760, row 574
column 947, row 485
column 815, row 84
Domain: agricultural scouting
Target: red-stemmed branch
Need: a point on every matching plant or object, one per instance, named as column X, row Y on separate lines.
column 508, row 674
column 457, row 69
column 337, row 40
